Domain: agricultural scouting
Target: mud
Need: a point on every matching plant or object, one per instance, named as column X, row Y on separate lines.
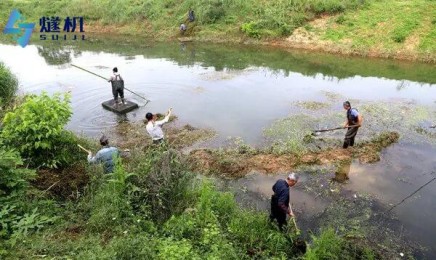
column 63, row 184
column 236, row 163
column 133, row 136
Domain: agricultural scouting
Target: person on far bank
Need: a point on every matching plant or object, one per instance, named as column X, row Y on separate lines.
column 154, row 127
column 117, row 87
column 191, row 15
column 105, row 155
column 354, row 121
column 280, row 200
column 183, row 28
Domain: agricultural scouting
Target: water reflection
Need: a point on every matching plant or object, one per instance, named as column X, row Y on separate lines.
column 55, row 55
column 342, row 171
column 222, row 57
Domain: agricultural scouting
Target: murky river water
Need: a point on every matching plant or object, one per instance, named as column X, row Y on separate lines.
column 240, row 91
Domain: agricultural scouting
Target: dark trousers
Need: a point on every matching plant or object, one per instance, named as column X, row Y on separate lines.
column 117, row 91
column 277, row 213
column 349, row 136
column 158, row 141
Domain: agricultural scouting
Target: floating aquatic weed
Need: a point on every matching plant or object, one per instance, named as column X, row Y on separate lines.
column 288, row 134
column 401, row 117
column 332, row 96
column 312, row 105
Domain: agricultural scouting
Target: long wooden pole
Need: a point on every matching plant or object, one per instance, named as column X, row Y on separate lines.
column 297, row 230
column 336, row 128
column 106, row 79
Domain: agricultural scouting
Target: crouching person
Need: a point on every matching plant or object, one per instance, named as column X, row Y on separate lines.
column 105, row 155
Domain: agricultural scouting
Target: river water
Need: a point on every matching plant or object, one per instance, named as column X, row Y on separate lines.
column 240, row 91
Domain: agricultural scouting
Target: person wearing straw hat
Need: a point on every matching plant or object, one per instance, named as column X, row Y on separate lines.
column 280, row 200
column 105, row 155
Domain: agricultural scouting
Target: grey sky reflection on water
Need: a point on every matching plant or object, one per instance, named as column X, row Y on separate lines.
column 234, row 103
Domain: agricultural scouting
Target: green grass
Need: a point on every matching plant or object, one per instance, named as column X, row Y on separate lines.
column 269, row 18
column 368, row 27
column 386, row 25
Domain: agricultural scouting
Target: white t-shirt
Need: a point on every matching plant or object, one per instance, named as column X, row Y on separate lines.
column 154, row 129
column 113, row 77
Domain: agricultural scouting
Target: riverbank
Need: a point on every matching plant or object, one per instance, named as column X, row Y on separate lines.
column 150, row 207
column 387, row 29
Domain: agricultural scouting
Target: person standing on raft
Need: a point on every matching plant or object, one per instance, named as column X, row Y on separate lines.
column 354, row 121
column 117, row 87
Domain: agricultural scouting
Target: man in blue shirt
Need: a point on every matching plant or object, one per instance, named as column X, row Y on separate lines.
column 280, row 200
column 105, row 155
column 354, row 121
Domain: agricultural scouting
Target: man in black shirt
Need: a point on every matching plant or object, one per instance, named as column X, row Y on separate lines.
column 280, row 200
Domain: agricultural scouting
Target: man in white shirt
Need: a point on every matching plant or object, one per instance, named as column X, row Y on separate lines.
column 154, row 128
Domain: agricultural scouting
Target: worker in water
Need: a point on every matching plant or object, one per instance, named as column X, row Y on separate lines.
column 154, row 127
column 280, row 200
column 106, row 155
column 354, row 121
column 117, row 87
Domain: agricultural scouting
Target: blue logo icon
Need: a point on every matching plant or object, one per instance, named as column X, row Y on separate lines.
column 17, row 31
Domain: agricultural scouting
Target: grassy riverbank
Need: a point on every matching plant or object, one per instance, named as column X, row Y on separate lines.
column 386, row 28
column 54, row 205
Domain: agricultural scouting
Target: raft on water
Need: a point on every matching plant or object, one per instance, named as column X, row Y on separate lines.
column 121, row 108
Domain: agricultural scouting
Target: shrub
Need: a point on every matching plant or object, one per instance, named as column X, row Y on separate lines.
column 399, row 36
column 13, row 178
column 36, row 129
column 217, row 227
column 134, row 246
column 214, row 12
column 340, row 19
column 251, row 29
column 162, row 184
column 8, row 85
column 327, row 246
column 15, row 225
column 176, row 249
column 18, row 217
column 110, row 206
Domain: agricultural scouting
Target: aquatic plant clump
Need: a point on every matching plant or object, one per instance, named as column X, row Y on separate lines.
column 294, row 134
column 405, row 118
